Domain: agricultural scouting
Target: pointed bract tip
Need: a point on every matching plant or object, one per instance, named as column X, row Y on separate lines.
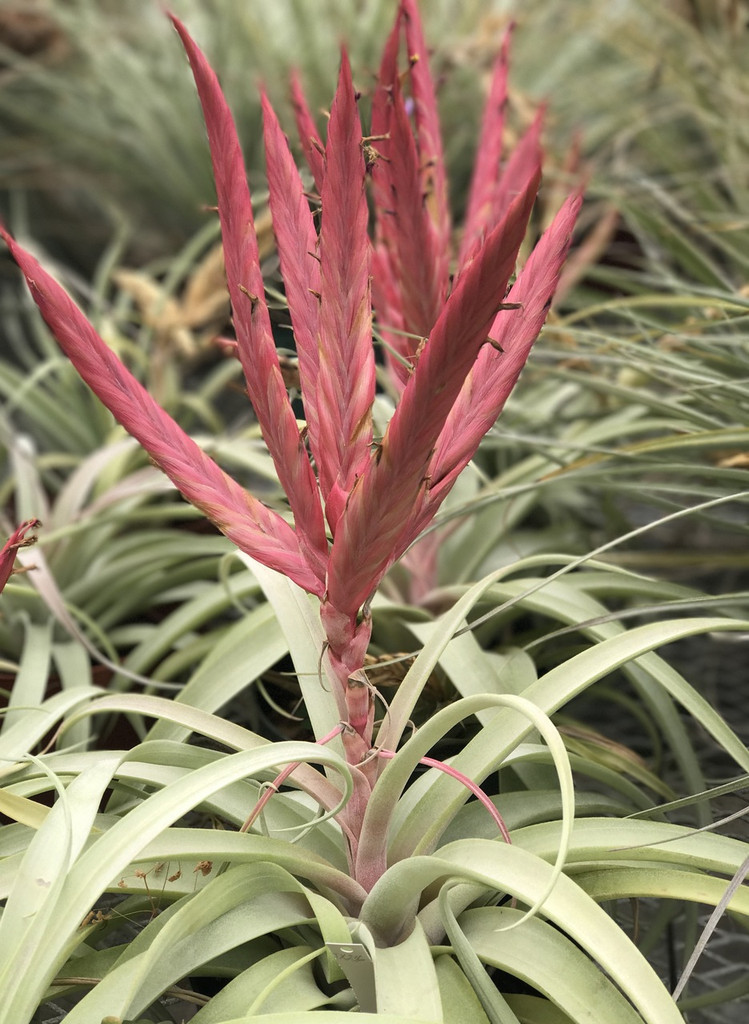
column 17, row 539
column 174, row 20
column 345, row 74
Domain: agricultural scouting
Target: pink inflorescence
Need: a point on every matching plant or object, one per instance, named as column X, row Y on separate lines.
column 457, row 334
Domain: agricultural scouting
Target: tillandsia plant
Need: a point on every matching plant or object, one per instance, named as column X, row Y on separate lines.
column 357, row 502
column 398, row 887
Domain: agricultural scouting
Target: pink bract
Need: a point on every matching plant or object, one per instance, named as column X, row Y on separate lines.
column 20, row 538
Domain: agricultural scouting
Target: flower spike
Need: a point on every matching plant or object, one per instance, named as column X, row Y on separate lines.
column 346, row 385
column 396, row 479
column 412, row 237
column 457, row 347
column 296, row 240
column 256, row 347
column 485, row 179
column 498, row 366
column 254, row 528
column 426, row 117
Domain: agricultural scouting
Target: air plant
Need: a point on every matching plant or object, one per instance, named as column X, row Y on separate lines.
column 358, row 502
column 398, row 886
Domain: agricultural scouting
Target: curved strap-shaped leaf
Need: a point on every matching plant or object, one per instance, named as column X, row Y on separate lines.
column 289, row 968
column 27, row 732
column 489, row 748
column 109, row 855
column 607, row 841
column 389, row 907
column 235, row 907
column 323, row 699
column 405, row 979
column 491, row 998
column 376, row 828
column 544, row 958
column 197, row 720
column 33, row 904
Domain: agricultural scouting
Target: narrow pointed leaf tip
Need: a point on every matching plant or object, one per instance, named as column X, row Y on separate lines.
column 496, row 370
column 312, row 145
column 254, row 528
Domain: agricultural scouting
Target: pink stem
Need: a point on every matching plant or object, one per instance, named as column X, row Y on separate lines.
column 279, row 780
column 480, row 795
